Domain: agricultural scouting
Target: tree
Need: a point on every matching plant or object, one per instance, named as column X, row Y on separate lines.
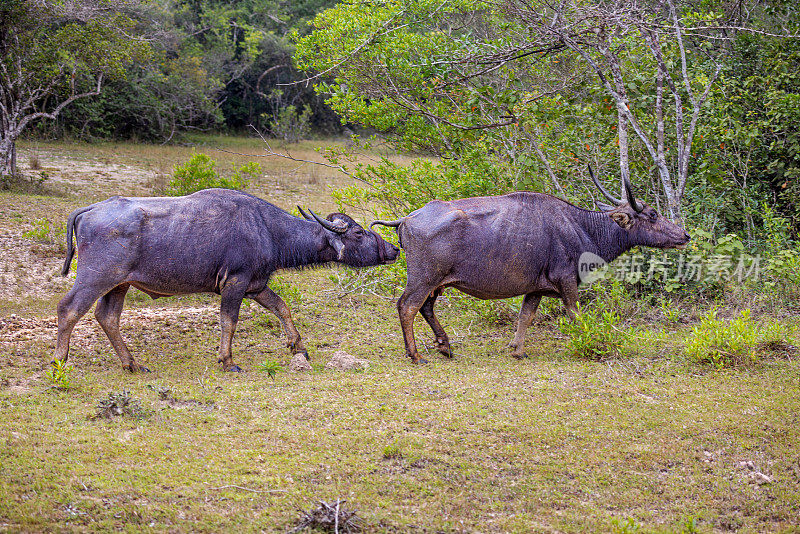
column 214, row 64
column 624, row 44
column 54, row 53
column 755, row 154
column 626, row 80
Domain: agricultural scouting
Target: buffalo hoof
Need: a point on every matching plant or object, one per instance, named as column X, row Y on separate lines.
column 234, row 369
column 522, row 356
column 419, row 361
column 445, row 351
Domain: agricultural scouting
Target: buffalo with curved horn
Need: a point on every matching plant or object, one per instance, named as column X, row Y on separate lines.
column 523, row 243
column 213, row 241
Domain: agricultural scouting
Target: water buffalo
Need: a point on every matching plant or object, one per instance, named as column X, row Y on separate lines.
column 518, row 244
column 213, row 241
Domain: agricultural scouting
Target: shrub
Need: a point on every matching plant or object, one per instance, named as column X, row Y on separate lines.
column 782, row 271
column 291, row 124
column 593, row 334
column 45, row 232
column 392, row 450
column 781, row 267
column 271, row 367
column 58, row 376
column 728, row 343
column 200, row 173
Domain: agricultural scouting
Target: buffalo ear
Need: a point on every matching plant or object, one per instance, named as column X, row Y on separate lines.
column 622, row 219
column 335, row 241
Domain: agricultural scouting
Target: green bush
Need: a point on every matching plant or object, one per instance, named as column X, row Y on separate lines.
column 291, row 124
column 393, row 450
column 200, row 173
column 271, row 367
column 594, row 333
column 781, row 267
column 395, row 189
column 46, row 232
column 59, row 375
column 729, row 343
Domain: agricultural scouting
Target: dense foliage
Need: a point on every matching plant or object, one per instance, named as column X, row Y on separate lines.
column 678, row 96
column 200, row 172
column 697, row 102
column 216, row 65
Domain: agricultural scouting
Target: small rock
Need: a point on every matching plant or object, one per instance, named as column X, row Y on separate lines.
column 759, row 478
column 749, row 465
column 346, row 362
column 299, row 363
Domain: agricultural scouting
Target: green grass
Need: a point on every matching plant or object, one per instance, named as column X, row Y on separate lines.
column 480, row 443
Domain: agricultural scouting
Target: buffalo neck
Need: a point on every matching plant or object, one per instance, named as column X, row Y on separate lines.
column 609, row 238
column 307, row 245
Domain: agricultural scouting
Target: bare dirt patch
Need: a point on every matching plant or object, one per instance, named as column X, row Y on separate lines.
column 22, row 386
column 14, row 328
column 25, row 272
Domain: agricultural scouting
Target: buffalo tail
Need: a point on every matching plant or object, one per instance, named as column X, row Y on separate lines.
column 70, row 227
column 393, row 224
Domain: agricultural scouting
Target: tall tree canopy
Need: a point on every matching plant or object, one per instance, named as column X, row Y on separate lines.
column 215, row 65
column 547, row 86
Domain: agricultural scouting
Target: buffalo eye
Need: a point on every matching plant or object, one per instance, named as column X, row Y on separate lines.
column 653, row 216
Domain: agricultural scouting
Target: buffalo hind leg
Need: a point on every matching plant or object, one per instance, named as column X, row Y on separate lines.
column 409, row 304
column 442, row 341
column 75, row 304
column 526, row 313
column 229, row 315
column 107, row 313
column 271, row 301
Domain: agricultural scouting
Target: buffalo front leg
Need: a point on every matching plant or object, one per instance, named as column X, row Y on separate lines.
column 526, row 313
column 569, row 295
column 442, row 341
column 107, row 313
column 408, row 306
column 229, row 316
column 271, row 301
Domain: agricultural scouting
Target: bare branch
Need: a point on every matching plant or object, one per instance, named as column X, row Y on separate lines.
column 271, row 153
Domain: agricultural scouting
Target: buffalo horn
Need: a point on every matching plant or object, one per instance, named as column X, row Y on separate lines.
column 602, row 189
column 339, row 228
column 632, row 199
column 604, row 207
column 305, row 215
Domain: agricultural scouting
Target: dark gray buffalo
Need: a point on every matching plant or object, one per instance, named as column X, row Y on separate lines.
column 216, row 241
column 518, row 244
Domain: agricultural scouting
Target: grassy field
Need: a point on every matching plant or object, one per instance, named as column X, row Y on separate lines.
column 481, row 443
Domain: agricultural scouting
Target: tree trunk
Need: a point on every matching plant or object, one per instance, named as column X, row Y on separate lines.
column 8, row 157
